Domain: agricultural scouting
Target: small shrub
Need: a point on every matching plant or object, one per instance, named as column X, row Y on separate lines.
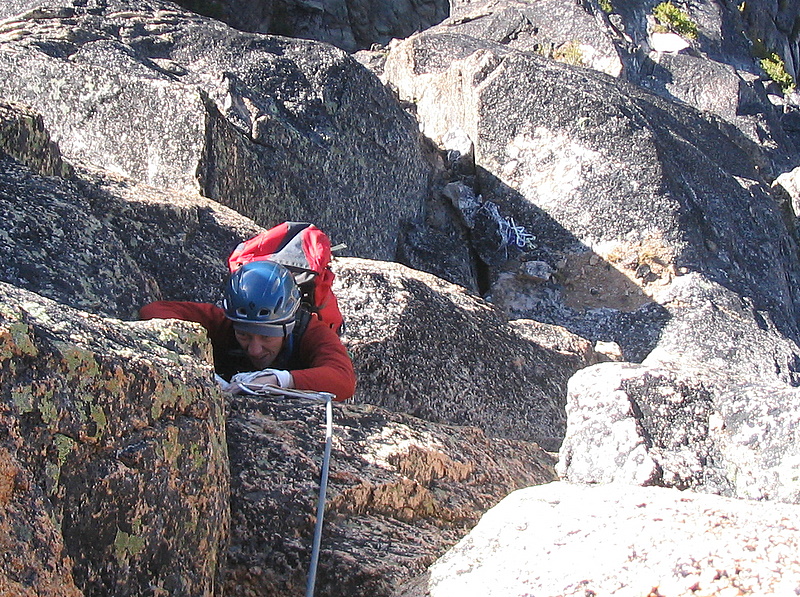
column 606, row 6
column 671, row 18
column 773, row 65
column 775, row 68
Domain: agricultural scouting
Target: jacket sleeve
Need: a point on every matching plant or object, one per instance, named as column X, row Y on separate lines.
column 329, row 366
column 209, row 316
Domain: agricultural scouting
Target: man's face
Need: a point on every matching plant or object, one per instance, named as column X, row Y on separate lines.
column 261, row 350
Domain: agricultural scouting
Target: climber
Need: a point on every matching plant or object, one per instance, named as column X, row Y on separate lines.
column 261, row 327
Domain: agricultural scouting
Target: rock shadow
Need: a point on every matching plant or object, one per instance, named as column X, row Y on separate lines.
column 731, row 228
column 533, row 267
column 714, row 216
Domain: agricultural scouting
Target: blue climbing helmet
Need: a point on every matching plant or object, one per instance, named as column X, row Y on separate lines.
column 262, row 298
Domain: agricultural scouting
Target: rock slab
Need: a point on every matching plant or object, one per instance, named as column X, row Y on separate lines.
column 401, row 491
column 118, row 441
column 562, row 539
column 275, row 128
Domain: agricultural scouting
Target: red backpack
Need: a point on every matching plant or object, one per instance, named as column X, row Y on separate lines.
column 304, row 250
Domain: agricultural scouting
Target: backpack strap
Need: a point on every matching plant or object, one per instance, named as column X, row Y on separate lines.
column 286, row 355
column 302, row 319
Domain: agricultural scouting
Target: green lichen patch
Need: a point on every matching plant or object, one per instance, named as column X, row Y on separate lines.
column 49, row 410
column 22, row 336
column 198, row 457
column 39, row 395
column 168, row 395
column 171, row 446
column 22, row 397
column 52, row 476
column 672, row 19
column 126, row 546
column 64, row 446
column 570, row 53
column 16, row 340
column 98, row 415
column 80, row 364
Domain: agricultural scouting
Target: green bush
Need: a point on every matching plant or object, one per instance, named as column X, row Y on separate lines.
column 606, row 6
column 671, row 18
column 773, row 65
column 775, row 68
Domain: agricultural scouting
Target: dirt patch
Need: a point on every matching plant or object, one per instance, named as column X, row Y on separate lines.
column 623, row 276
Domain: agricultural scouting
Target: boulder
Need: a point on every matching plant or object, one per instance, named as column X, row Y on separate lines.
column 401, row 491
column 429, row 348
column 565, row 31
column 716, row 417
column 787, row 187
column 717, row 69
column 442, row 251
column 618, row 223
column 648, row 425
column 100, row 242
column 34, row 559
column 278, row 129
column 112, row 447
column 563, row 539
column 733, row 92
column 180, row 241
column 348, row 25
column 643, row 425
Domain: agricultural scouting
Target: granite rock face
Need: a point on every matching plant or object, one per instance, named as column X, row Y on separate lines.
column 429, row 348
column 119, row 441
column 34, row 560
column 714, row 63
column 644, row 425
column 401, row 491
column 720, row 419
column 351, row 25
column 563, row 539
column 99, row 242
column 590, row 201
column 672, row 244
column 278, row 129
column 617, row 223
column 116, row 244
column 565, row 31
column 108, row 416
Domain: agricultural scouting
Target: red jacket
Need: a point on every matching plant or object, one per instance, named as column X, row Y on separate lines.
column 317, row 362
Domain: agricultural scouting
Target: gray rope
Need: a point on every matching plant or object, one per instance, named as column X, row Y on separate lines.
column 323, row 488
column 268, row 389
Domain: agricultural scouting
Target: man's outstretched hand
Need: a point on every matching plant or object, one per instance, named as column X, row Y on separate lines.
column 244, row 383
